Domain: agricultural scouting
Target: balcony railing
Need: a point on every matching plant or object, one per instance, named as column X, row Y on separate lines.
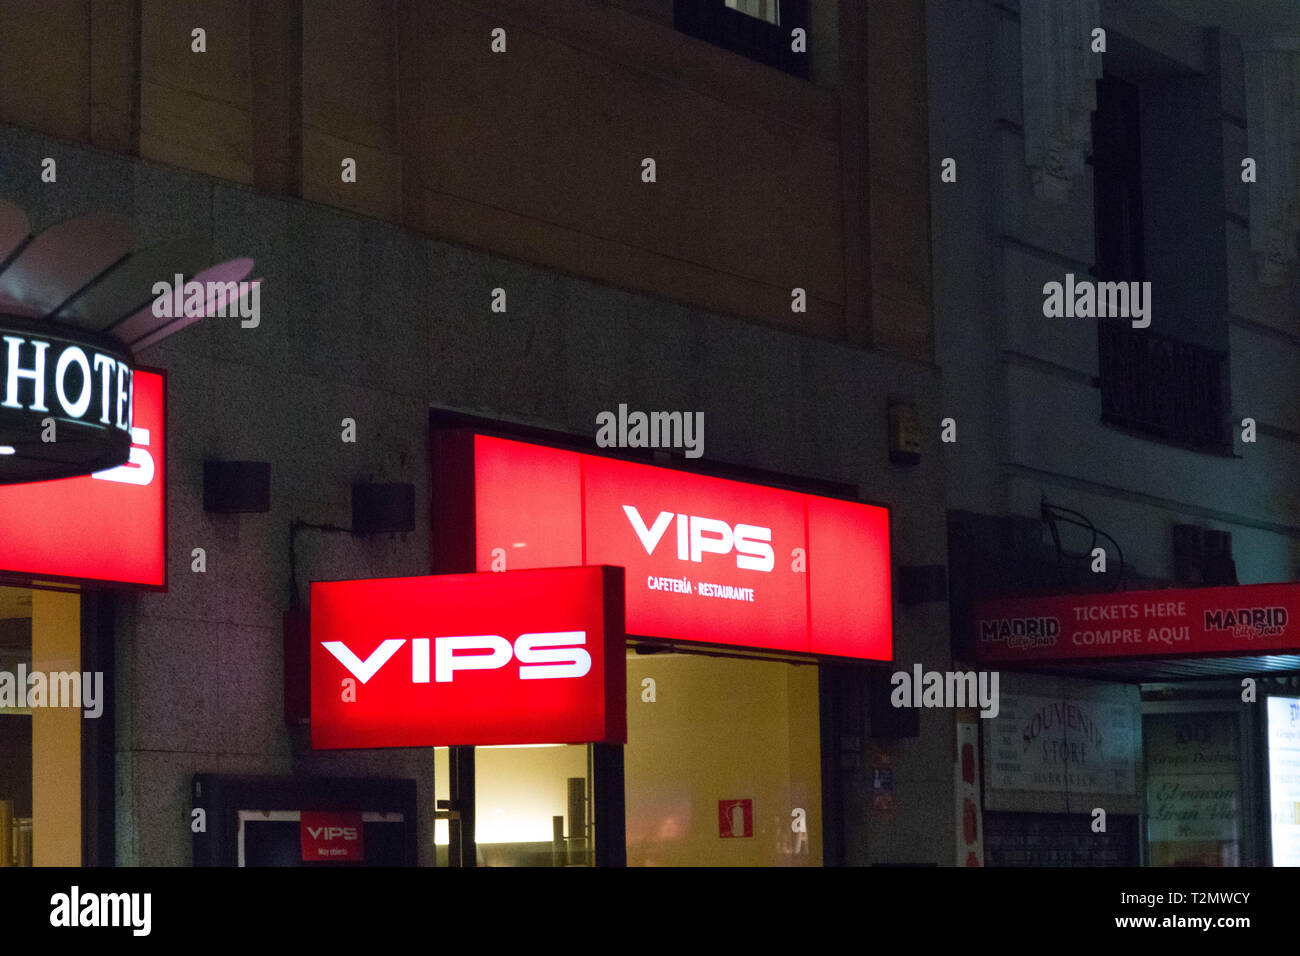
column 1161, row 386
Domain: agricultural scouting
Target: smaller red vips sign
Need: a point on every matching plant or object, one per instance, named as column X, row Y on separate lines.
column 333, row 836
column 519, row 657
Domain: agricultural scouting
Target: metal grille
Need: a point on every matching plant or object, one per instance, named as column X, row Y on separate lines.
column 1164, row 387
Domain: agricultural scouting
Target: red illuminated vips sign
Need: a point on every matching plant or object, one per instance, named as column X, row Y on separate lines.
column 708, row 559
column 1244, row 619
column 527, row 657
column 107, row 526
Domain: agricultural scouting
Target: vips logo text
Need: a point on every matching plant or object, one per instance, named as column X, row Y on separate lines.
column 1248, row 622
column 481, row 670
column 349, row 834
column 1021, row 631
column 546, row 655
column 697, row 535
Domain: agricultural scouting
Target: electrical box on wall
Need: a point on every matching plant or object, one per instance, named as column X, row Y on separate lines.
column 904, row 434
column 378, row 508
column 888, row 722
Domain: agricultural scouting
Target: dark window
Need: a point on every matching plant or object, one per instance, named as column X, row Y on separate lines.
column 1117, row 181
column 1159, row 385
column 758, row 29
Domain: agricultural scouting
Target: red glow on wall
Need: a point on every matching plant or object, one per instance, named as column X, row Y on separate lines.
column 107, row 527
column 708, row 559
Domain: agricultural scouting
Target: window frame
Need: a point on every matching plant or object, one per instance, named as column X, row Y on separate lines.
column 714, row 22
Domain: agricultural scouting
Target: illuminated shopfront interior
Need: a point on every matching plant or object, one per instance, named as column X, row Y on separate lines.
column 703, row 730
column 40, row 747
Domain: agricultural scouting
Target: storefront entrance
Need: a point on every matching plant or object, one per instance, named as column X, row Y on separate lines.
column 723, row 762
column 41, row 726
column 722, row 767
column 532, row 805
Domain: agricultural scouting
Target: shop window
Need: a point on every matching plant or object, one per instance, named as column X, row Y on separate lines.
column 1058, row 839
column 723, row 762
column 759, row 29
column 532, row 805
column 722, row 768
column 1283, row 753
column 1194, row 788
column 40, row 746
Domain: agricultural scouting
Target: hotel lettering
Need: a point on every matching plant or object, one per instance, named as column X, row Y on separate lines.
column 68, row 381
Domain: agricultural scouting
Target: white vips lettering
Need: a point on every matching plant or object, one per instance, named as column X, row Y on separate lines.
column 546, row 655
column 333, row 833
column 696, row 535
column 51, row 376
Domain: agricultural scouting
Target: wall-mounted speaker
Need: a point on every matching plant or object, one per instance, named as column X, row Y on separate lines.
column 378, row 508
column 922, row 583
column 236, row 487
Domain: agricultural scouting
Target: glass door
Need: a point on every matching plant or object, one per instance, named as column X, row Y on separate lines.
column 42, row 703
column 532, row 805
column 1197, row 781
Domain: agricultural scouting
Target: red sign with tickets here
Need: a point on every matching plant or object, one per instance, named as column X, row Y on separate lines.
column 524, row 657
column 708, row 559
column 108, row 526
column 1244, row 619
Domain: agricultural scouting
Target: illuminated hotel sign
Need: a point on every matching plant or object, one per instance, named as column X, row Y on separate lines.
column 528, row 657
column 106, row 526
column 65, row 402
column 708, row 560
column 1243, row 619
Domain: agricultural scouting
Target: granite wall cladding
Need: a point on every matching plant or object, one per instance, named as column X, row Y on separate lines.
column 365, row 320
